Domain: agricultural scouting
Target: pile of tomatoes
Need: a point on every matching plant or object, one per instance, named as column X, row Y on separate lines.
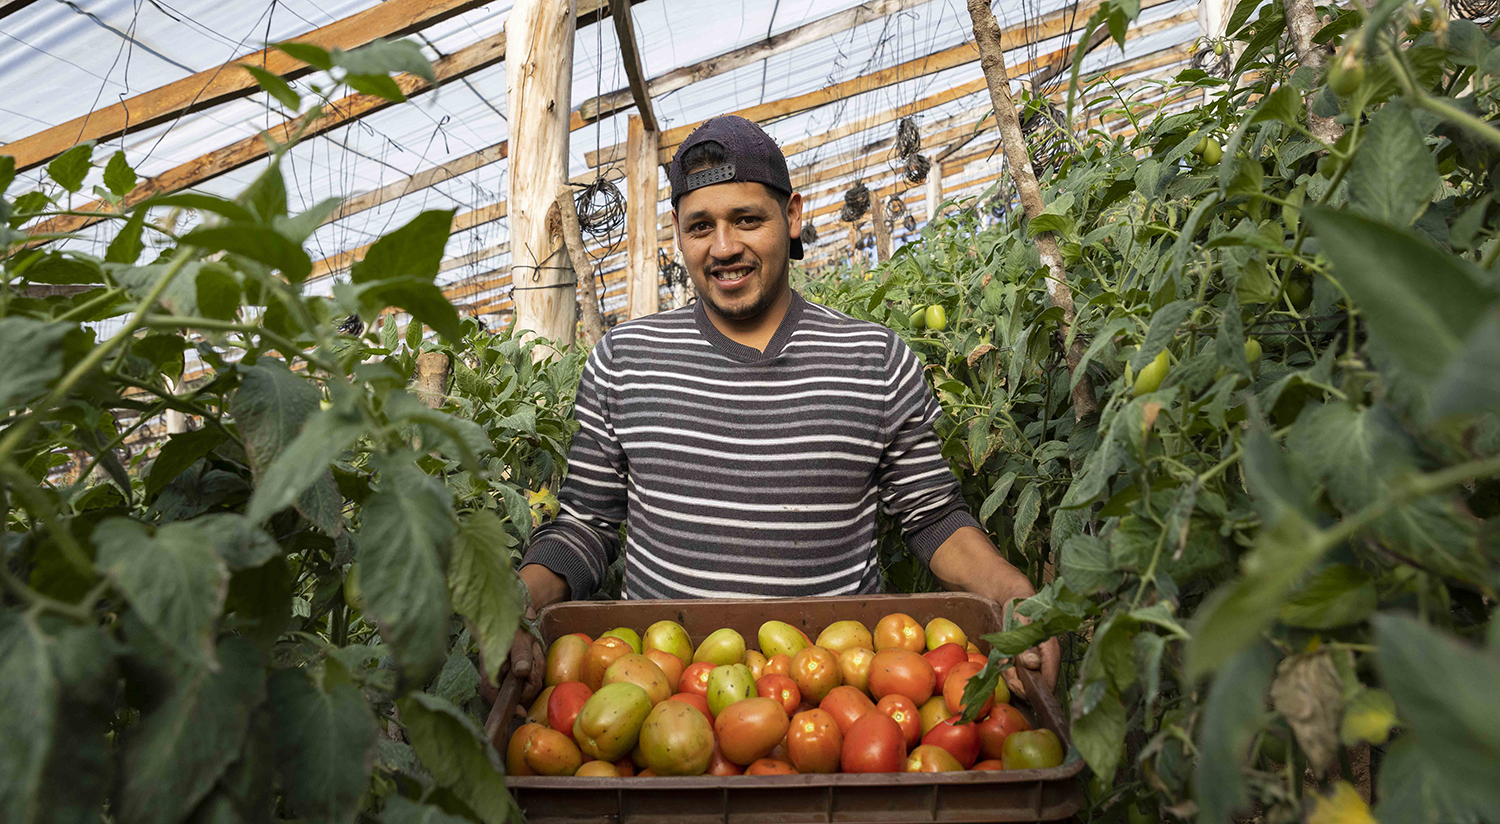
column 852, row 701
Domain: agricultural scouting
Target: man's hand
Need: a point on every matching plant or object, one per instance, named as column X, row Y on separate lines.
column 527, row 661
column 1045, row 659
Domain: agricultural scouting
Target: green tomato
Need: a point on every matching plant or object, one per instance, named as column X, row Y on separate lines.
column 1151, row 376
column 1299, row 292
column 918, row 318
column 1347, row 74
column 1201, row 145
column 1219, row 49
column 1213, row 152
column 936, row 318
column 353, row 595
column 1252, row 350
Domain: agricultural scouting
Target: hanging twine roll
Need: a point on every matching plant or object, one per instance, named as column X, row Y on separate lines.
column 353, row 326
column 809, row 234
column 856, row 203
column 916, row 168
column 674, row 273
column 601, row 208
column 908, row 139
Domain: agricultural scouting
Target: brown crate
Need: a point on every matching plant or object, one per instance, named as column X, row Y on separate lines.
column 897, row 798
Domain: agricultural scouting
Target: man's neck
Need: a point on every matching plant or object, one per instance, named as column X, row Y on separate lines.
column 755, row 332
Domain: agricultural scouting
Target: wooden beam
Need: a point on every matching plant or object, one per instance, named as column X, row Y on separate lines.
column 421, row 180
column 596, row 108
column 630, row 55
column 10, row 7
column 221, row 84
column 462, row 63
column 642, row 196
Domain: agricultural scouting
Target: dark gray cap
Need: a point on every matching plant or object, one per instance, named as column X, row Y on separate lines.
column 753, row 157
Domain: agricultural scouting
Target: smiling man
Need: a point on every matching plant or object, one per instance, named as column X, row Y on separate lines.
column 749, row 440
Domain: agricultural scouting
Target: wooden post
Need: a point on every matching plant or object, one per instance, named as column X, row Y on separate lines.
column 681, row 293
column 432, row 377
column 1303, row 24
column 641, row 195
column 882, row 230
column 934, row 191
column 539, row 84
column 1018, row 158
column 583, row 268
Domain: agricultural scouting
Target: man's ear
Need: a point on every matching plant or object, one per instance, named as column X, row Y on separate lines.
column 676, row 231
column 794, row 214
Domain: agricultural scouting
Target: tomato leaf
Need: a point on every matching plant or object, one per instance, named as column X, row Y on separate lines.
column 453, row 750
column 483, row 586
column 176, row 582
column 70, row 168
column 325, row 745
column 1230, row 717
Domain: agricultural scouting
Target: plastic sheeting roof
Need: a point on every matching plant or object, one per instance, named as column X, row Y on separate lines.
column 62, row 59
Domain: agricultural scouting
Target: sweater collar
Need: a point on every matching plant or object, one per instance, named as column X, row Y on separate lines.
column 741, row 352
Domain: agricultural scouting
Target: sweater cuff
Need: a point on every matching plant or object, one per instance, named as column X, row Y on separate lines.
column 924, row 542
column 558, row 555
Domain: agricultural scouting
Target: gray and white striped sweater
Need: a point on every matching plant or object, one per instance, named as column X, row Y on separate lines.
column 749, row 474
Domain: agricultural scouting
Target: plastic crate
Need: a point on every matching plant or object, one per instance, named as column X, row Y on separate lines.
column 1051, row 794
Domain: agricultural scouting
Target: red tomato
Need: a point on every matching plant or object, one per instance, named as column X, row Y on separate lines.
column 846, row 705
column 962, row 740
column 563, row 705
column 1002, row 721
column 697, row 702
column 814, row 742
column 749, row 729
column 903, row 712
column 902, row 672
column 815, row 671
column 874, row 743
column 989, row 764
column 900, row 631
column 625, row 767
column 586, row 639
column 942, row 660
column 958, row 680
column 778, row 664
column 695, row 679
column 781, row 688
column 981, row 660
column 770, row 766
column 721, row 766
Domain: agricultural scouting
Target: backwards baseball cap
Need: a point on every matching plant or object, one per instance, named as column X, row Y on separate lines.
column 751, row 157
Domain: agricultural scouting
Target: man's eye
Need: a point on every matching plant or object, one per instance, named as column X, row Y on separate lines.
column 698, row 227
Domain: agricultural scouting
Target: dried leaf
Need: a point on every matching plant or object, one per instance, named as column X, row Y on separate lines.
column 1310, row 694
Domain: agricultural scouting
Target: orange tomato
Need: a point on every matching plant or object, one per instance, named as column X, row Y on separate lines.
column 671, row 665
column 515, row 750
column 1003, row 720
column 814, row 742
column 781, row 688
column 815, row 671
column 601, row 654
column 903, row 712
column 721, row 766
column 694, row 679
column 958, row 681
column 928, row 758
column 943, row 659
column 874, row 743
column 751, row 728
column 854, row 667
column 846, row 705
column 900, row 631
column 902, row 672
column 697, row 702
column 989, row 764
column 778, row 664
column 770, row 766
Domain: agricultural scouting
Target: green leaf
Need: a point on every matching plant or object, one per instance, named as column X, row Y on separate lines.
column 258, row 243
column 242, row 544
column 1230, row 718
column 260, row 601
column 218, row 292
column 402, row 810
column 325, row 745
column 454, row 751
column 383, row 56
column 1393, row 175
column 71, row 167
column 304, row 464
column 301, row 227
column 425, row 301
column 414, row 250
column 274, row 86
column 180, row 452
column 1446, row 689
column 28, row 690
column 1422, row 303
column 33, row 358
column 517, row 509
column 271, row 407
column 127, row 246
column 1028, row 507
column 1284, row 104
column 403, row 546
column 1163, row 327
column 484, row 586
column 7, row 172
column 997, row 496
column 376, row 85
column 203, row 203
column 1413, row 789
column 57, row 267
column 175, row 581
column 265, row 197
column 1335, row 596
column 455, row 436
column 1087, row 566
column 1100, row 733
column 175, row 754
column 119, row 177
column 1468, row 383
column 1054, row 218
column 315, row 56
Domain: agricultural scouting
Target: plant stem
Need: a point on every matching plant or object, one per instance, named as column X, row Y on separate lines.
column 84, row 309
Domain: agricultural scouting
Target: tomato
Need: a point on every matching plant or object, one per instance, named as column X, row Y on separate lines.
column 669, row 637
column 610, row 722
column 1213, row 152
column 538, row 712
column 750, row 729
column 874, row 743
column 565, row 659
column 854, row 667
column 903, row 672
column 781, row 688
column 814, row 742
column 584, row 636
column 1152, row 374
column 940, row 631
column 597, row 769
column 934, row 712
column 900, row 630
column 641, row 671
column 958, row 681
column 815, row 671
column 770, row 766
column 728, row 684
column 903, row 712
column 756, row 662
column 645, row 774
column 677, row 739
column 564, row 703
column 601, row 654
column 515, row 750
column 918, row 318
column 719, row 765
column 995, row 728
column 698, row 702
column 625, row 767
column 1346, row 75
column 1253, row 351
column 841, row 636
column 846, row 704
column 943, row 658
column 780, row 638
column 627, row 635
column 722, row 646
column 972, row 648
column 928, row 758
column 777, row 665
column 1032, row 749
column 671, row 665
column 979, row 658
column 989, row 764
column 960, row 739
column 695, row 679
column 549, row 752
column 936, row 318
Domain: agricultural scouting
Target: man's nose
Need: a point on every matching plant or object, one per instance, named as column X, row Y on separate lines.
column 726, row 245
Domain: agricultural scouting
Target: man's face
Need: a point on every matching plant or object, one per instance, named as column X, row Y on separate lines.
column 735, row 239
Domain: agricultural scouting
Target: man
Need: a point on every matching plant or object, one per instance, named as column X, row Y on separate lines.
column 748, row 439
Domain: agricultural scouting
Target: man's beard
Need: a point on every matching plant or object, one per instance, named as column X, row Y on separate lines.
column 763, row 302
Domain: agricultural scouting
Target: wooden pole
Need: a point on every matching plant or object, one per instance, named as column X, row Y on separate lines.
column 641, row 195
column 1303, row 24
column 583, row 268
column 882, row 230
column 539, row 84
column 934, row 190
column 1018, row 158
column 433, row 369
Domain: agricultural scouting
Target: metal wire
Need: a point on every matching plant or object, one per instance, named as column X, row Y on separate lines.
column 674, row 273
column 856, row 203
column 809, row 234
column 916, row 168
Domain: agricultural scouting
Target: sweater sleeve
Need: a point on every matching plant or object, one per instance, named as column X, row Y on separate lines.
column 916, row 485
column 581, row 542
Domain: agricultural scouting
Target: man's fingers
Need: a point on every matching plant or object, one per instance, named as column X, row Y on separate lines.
column 1031, row 659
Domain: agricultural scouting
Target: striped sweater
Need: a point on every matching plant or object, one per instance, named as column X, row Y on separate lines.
column 748, row 474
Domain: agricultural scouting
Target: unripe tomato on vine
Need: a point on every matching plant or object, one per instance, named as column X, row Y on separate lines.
column 936, row 318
